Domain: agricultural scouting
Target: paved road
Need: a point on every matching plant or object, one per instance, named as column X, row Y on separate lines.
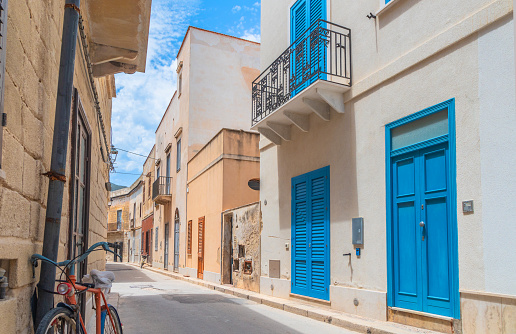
column 154, row 303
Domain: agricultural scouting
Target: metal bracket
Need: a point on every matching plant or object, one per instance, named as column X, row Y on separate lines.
column 72, row 6
column 55, row 176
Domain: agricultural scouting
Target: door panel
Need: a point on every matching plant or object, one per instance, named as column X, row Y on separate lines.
column 422, row 231
column 200, row 251
column 165, row 257
column 176, row 245
column 310, row 234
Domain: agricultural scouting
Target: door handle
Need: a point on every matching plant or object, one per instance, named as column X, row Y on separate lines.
column 422, row 224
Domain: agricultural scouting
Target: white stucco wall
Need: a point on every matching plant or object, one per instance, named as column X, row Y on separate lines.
column 498, row 155
column 416, row 55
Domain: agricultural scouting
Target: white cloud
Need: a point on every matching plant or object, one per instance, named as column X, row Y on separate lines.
column 236, row 9
column 251, row 36
column 256, row 4
column 143, row 97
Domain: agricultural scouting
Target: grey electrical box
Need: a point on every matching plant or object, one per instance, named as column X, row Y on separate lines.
column 358, row 231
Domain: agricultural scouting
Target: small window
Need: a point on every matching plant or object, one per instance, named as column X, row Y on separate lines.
column 180, row 84
column 248, row 267
column 144, row 182
column 178, row 159
column 189, row 248
column 119, row 219
column 241, row 251
column 236, row 265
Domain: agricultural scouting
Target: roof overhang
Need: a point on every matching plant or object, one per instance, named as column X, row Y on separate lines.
column 118, row 35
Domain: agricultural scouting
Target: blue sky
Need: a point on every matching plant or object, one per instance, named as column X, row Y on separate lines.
column 143, row 97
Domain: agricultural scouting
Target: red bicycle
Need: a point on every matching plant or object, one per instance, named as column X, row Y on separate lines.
column 66, row 317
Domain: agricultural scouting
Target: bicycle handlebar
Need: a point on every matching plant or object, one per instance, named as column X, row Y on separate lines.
column 35, row 257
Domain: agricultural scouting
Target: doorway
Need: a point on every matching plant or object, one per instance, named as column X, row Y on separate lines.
column 227, row 249
column 165, row 256
column 422, row 230
column 176, row 240
column 200, row 251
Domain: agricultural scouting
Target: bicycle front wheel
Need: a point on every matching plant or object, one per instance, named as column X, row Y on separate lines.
column 108, row 325
column 59, row 320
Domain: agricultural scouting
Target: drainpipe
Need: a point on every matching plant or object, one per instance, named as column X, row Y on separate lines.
column 57, row 173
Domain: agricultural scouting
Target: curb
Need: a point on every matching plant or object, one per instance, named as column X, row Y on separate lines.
column 333, row 317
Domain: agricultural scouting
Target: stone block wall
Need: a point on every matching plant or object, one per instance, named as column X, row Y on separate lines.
column 34, row 30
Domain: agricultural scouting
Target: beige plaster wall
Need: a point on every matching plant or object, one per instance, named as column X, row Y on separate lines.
column 217, row 72
column 222, row 70
column 32, row 65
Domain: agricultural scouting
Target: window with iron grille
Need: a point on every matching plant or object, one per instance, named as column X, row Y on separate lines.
column 3, row 37
column 189, row 238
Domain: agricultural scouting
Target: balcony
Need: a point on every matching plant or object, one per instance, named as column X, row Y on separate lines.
column 309, row 77
column 161, row 190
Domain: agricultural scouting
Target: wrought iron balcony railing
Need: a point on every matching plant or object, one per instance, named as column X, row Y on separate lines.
column 323, row 52
column 161, row 187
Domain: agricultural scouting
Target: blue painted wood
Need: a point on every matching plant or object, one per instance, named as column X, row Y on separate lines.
column 310, row 234
column 303, row 14
column 436, row 260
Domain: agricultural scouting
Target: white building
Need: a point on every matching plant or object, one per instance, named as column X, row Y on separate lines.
column 405, row 121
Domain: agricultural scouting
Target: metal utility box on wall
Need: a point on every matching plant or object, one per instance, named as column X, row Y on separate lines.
column 357, row 231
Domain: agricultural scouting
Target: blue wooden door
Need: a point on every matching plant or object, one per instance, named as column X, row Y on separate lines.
column 422, row 231
column 310, row 234
column 308, row 57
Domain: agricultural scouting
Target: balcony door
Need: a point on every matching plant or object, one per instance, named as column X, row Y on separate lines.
column 167, row 180
column 308, row 56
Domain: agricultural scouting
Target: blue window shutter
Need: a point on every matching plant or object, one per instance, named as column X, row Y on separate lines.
column 318, row 233
column 310, row 234
column 317, row 10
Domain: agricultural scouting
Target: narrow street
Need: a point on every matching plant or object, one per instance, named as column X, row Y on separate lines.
column 154, row 303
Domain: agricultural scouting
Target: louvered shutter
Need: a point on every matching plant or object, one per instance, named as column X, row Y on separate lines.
column 310, row 234
column 298, row 26
column 300, row 238
column 3, row 44
column 317, row 10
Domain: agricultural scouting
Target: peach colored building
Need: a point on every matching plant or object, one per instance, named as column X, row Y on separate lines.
column 217, row 181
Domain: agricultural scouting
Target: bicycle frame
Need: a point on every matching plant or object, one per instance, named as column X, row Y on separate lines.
column 71, row 278
column 71, row 300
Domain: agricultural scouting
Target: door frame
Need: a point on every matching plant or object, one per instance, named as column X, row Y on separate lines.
column 452, row 172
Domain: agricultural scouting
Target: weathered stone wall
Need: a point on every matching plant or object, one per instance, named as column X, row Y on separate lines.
column 246, row 233
column 34, row 31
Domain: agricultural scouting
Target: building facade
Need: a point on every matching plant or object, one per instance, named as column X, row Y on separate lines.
column 31, row 34
column 385, row 154
column 125, row 221
column 148, row 206
column 214, row 72
column 217, row 181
